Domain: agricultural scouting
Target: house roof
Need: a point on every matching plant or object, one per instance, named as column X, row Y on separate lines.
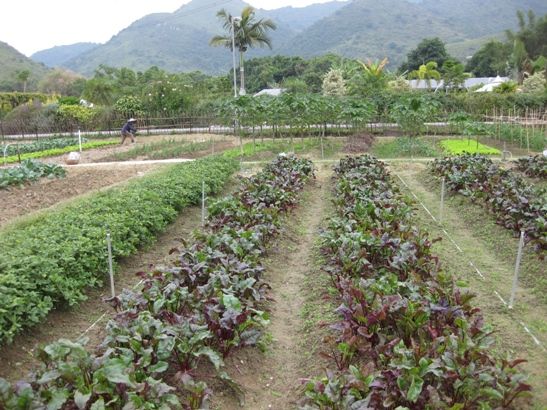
column 274, row 92
column 468, row 83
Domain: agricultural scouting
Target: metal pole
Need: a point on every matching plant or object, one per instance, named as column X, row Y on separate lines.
column 80, row 139
column 234, row 56
column 517, row 268
column 110, row 269
column 202, row 203
column 441, row 209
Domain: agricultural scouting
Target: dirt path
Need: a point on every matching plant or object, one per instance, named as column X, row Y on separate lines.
column 270, row 379
column 18, row 359
column 489, row 276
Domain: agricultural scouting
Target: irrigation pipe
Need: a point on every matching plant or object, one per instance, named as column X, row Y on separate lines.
column 522, row 324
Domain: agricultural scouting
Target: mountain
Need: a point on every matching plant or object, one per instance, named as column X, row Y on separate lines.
column 59, row 55
column 13, row 62
column 300, row 18
column 176, row 41
column 375, row 29
column 364, row 29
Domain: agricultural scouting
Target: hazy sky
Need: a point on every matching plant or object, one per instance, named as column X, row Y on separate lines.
column 33, row 25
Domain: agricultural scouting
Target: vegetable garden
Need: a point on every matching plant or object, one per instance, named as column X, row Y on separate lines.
column 407, row 332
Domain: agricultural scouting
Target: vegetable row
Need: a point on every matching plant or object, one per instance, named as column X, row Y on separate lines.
column 39, row 145
column 407, row 337
column 58, row 151
column 516, row 204
column 52, row 259
column 28, row 171
column 534, row 166
column 172, row 333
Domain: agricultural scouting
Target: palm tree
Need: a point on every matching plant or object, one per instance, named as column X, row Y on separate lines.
column 426, row 72
column 248, row 32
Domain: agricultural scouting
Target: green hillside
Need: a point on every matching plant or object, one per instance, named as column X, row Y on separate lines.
column 59, row 55
column 365, row 29
column 11, row 63
column 373, row 29
column 176, row 42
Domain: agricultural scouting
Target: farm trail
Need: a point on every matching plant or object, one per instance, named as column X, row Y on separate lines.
column 270, row 380
column 18, row 358
column 494, row 266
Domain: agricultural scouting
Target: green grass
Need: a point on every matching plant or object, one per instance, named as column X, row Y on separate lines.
column 250, row 149
column 405, row 147
column 460, row 146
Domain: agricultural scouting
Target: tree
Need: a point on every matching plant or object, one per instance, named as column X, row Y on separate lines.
column 528, row 44
column 429, row 49
column 334, row 83
column 99, row 90
column 453, row 74
column 426, row 72
column 491, row 60
column 23, row 76
column 535, row 83
column 62, row 82
column 247, row 31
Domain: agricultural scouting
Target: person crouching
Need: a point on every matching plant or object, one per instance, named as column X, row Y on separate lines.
column 129, row 130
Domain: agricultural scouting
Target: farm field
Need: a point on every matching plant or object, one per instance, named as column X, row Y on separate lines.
column 301, row 299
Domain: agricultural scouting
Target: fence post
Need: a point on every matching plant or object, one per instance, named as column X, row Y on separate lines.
column 517, row 268
column 110, row 268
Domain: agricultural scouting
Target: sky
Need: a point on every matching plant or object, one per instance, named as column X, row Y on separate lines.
column 34, row 25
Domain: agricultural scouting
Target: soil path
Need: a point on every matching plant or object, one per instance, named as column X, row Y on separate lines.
column 270, row 380
column 475, row 236
column 90, row 317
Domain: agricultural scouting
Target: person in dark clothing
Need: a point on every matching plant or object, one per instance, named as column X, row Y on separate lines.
column 129, row 130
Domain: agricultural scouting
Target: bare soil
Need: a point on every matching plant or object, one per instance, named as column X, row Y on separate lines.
column 271, row 379
column 18, row 201
column 100, row 154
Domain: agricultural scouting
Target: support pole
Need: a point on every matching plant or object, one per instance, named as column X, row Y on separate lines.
column 441, row 208
column 80, row 139
column 110, row 268
column 203, row 203
column 517, row 268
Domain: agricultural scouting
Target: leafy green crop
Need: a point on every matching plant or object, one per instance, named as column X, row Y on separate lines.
column 55, row 258
column 533, row 166
column 59, row 151
column 29, row 170
column 514, row 202
column 467, row 146
column 40, row 145
column 184, row 317
column 408, row 337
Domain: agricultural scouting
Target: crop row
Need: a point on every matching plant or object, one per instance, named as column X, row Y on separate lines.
column 53, row 259
column 58, row 151
column 183, row 320
column 29, row 170
column 534, row 166
column 407, row 337
column 40, row 145
column 516, row 204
